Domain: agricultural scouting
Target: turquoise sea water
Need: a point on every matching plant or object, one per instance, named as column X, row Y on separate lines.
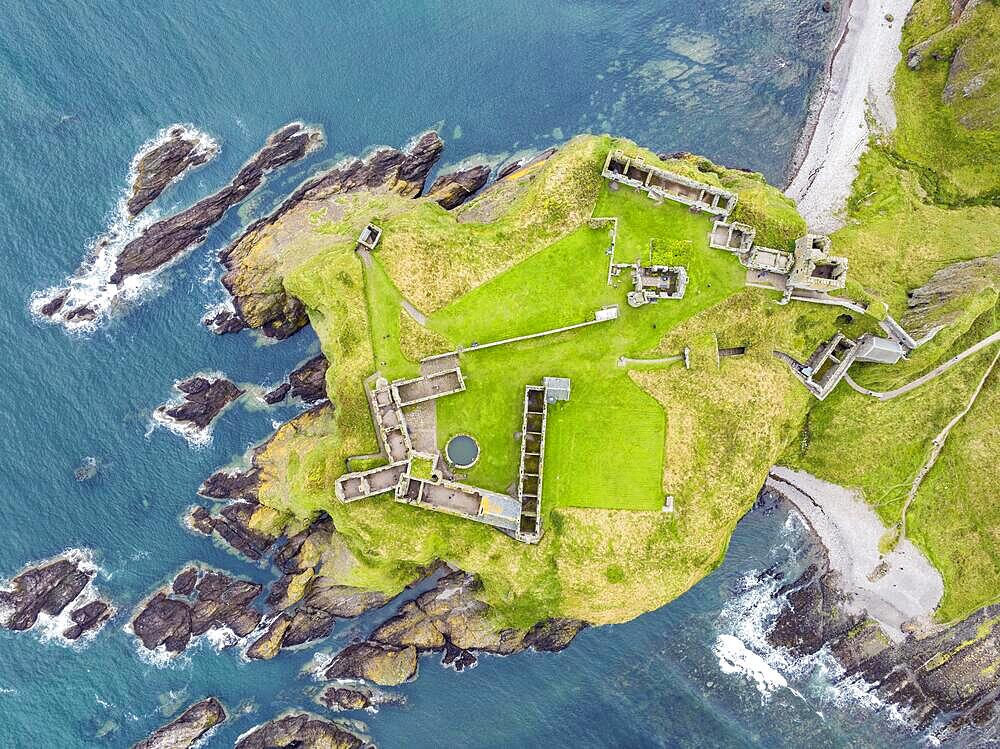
column 83, row 85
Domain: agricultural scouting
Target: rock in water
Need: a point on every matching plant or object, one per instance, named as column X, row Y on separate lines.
column 307, row 382
column 87, row 617
column 273, row 311
column 177, row 150
column 301, row 731
column 168, row 238
column 385, row 665
column 453, row 189
column 188, row 609
column 203, row 399
column 49, row 587
column 947, row 673
column 191, row 726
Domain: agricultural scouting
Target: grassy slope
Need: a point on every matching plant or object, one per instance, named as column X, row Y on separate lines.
column 902, row 230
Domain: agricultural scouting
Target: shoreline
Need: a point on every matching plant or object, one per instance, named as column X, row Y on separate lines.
column 900, row 590
column 858, row 80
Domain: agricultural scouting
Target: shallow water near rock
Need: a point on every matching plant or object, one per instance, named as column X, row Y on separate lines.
column 84, row 89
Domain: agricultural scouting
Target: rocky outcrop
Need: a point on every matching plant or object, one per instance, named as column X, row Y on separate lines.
column 307, row 383
column 49, row 588
column 223, row 321
column 171, row 618
column 90, row 616
column 323, row 603
column 233, row 524
column 203, row 398
column 300, row 731
column 268, row 645
column 188, row 728
column 177, row 150
column 452, row 189
column 385, row 665
column 268, row 306
column 448, row 619
column 947, row 673
column 937, row 301
column 346, row 697
column 165, row 240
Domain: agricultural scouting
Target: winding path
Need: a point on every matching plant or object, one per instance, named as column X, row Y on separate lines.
column 938, row 370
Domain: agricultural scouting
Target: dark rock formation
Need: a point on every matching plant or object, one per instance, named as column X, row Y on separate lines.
column 345, row 698
column 172, row 618
column 184, row 583
column 309, row 380
column 203, row 400
column 168, row 238
column 232, row 524
column 931, row 304
column 88, row 617
column 325, row 601
column 54, row 304
column 301, row 731
column 453, row 189
column 232, row 485
column 179, row 151
column 49, row 587
column 278, row 394
column 448, row 619
column 402, row 172
column 184, row 731
column 307, row 383
column 385, row 665
column 947, row 673
column 223, row 321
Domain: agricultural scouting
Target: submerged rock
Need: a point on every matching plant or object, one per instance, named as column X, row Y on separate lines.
column 273, row 311
column 178, row 150
column 188, row 728
column 203, row 399
column 300, row 731
column 453, row 189
column 48, row 588
column 172, row 617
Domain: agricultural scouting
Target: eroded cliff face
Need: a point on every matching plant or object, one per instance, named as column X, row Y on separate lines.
column 254, row 260
column 951, row 291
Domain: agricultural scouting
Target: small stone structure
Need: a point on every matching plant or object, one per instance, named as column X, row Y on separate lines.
column 735, row 237
column 369, row 237
column 653, row 282
column 831, row 360
column 815, row 269
column 661, row 184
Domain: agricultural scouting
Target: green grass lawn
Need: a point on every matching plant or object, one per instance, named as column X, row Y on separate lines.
column 604, row 448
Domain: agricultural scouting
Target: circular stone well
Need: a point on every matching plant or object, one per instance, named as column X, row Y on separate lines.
column 462, row 451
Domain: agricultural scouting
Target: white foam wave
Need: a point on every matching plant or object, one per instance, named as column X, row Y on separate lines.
column 743, row 648
column 49, row 628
